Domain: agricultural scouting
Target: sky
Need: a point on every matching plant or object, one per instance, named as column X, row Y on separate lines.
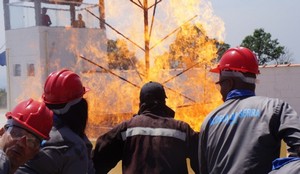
column 280, row 18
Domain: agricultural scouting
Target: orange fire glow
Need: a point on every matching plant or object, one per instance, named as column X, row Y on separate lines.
column 192, row 93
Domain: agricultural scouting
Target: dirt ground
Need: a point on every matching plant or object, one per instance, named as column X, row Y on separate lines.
column 118, row 169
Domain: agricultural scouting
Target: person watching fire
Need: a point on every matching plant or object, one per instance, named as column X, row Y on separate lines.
column 68, row 151
column 27, row 125
column 79, row 23
column 151, row 141
column 45, row 19
column 244, row 134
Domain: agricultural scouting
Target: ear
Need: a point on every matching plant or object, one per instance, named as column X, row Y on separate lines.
column 231, row 84
column 2, row 130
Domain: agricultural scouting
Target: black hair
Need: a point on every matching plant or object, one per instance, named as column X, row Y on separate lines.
column 76, row 117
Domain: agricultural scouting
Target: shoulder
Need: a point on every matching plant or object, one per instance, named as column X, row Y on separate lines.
column 64, row 137
column 286, row 165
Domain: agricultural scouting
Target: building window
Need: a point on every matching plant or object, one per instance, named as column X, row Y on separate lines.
column 30, row 69
column 17, row 70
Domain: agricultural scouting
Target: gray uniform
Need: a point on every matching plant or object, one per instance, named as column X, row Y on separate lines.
column 244, row 135
column 4, row 163
column 64, row 153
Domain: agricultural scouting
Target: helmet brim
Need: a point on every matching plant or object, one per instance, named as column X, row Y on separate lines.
column 215, row 70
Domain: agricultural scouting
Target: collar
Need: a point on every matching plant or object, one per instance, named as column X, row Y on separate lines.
column 279, row 162
column 239, row 93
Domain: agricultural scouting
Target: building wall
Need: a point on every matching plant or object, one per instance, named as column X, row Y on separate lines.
column 34, row 52
column 280, row 82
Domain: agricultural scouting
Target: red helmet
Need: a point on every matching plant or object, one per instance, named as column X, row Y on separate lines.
column 238, row 59
column 62, row 87
column 33, row 116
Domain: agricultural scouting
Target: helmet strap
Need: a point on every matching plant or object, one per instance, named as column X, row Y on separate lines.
column 67, row 107
column 239, row 75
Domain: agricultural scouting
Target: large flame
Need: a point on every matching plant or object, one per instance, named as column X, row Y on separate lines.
column 114, row 95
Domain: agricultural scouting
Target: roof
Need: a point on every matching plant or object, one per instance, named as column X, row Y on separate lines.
column 280, row 66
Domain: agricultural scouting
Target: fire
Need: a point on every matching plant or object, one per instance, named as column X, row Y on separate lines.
column 182, row 46
column 192, row 94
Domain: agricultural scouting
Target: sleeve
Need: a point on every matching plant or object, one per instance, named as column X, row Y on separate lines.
column 75, row 160
column 202, row 146
column 108, row 150
column 46, row 161
column 4, row 163
column 91, row 169
column 289, row 124
column 193, row 149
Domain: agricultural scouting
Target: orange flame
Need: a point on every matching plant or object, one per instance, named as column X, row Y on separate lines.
column 192, row 93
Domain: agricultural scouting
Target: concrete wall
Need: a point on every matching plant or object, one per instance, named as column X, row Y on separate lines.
column 48, row 49
column 280, row 82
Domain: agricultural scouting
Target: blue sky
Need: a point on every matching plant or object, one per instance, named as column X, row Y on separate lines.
column 278, row 17
column 241, row 17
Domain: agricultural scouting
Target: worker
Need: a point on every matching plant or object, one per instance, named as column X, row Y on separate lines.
column 79, row 23
column 45, row 19
column 28, row 124
column 68, row 150
column 150, row 142
column 244, row 134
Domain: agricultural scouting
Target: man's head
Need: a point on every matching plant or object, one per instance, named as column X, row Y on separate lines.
column 28, row 124
column 237, row 69
column 152, row 92
column 79, row 16
column 44, row 10
column 62, row 90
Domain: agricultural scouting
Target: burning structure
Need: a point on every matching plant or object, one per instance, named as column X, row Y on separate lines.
column 181, row 54
column 33, row 51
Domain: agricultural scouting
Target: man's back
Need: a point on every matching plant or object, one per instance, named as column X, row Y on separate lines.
column 243, row 135
column 149, row 144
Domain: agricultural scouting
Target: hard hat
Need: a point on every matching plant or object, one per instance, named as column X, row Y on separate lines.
column 34, row 116
column 152, row 91
column 62, row 87
column 239, row 59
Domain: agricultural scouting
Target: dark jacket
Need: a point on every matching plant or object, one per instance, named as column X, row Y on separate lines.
column 4, row 163
column 64, row 153
column 148, row 143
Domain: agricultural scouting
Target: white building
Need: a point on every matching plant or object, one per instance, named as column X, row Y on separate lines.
column 33, row 51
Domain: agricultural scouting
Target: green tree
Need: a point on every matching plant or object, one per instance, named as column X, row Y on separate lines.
column 285, row 58
column 191, row 46
column 119, row 56
column 266, row 49
column 222, row 48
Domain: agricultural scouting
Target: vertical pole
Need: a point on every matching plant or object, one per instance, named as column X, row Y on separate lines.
column 146, row 37
column 9, row 75
column 37, row 11
column 102, row 14
column 72, row 13
column 6, row 14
